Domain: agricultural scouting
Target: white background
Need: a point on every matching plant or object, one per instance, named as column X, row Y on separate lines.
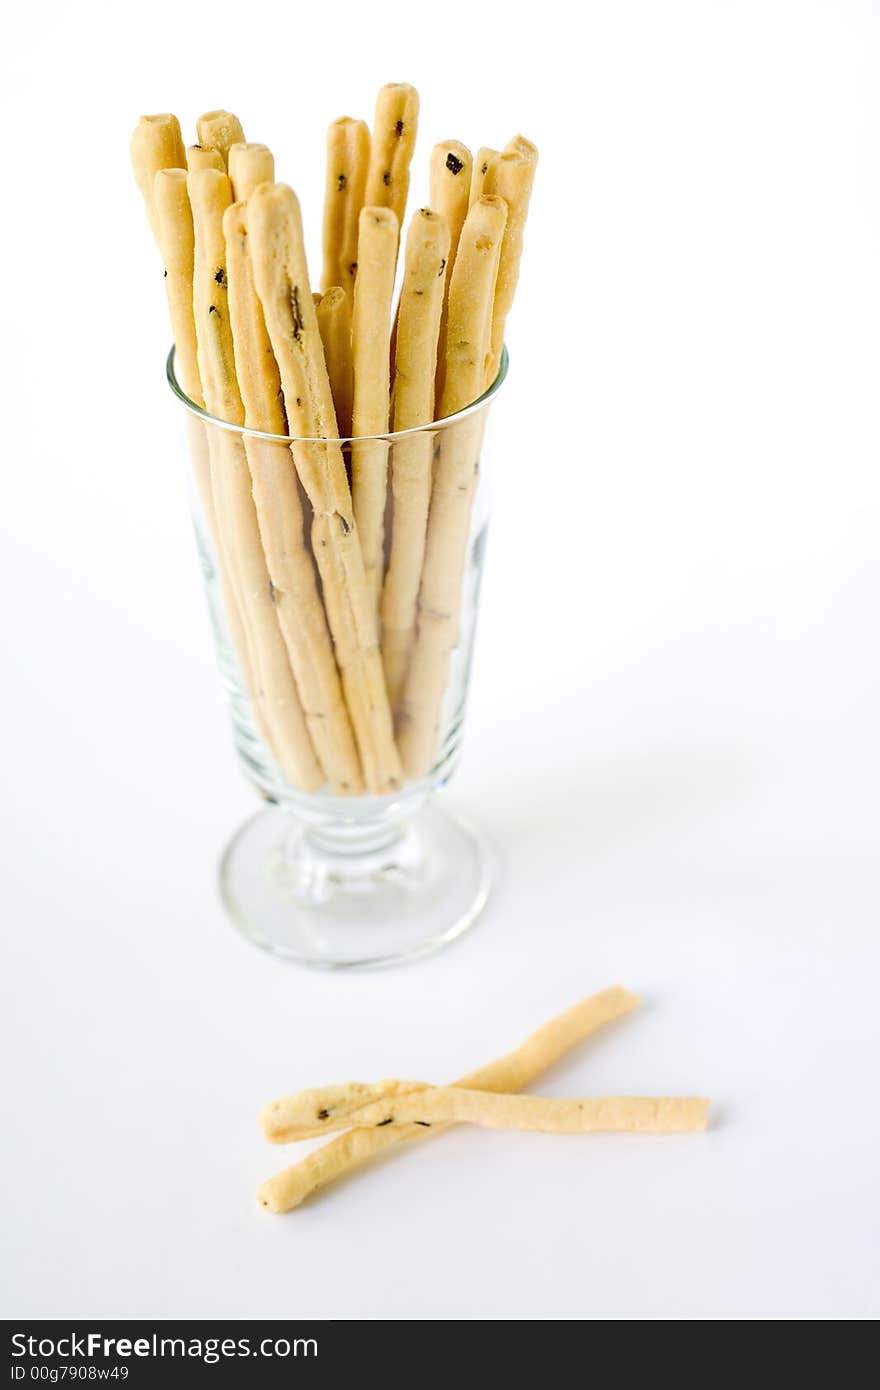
column 673, row 735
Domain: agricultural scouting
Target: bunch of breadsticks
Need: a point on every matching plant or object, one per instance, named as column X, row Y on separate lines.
column 341, row 565
column 377, row 1116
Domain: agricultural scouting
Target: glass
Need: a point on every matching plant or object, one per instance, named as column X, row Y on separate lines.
column 352, row 864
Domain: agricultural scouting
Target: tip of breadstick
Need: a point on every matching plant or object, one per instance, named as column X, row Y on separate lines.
column 381, row 217
column 170, row 176
column 266, row 1198
column 163, row 118
column 519, row 145
column 330, row 298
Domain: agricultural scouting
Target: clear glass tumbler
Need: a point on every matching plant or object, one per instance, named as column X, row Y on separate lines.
column 346, row 686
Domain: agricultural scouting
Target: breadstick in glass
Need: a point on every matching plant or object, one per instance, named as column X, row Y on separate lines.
column 155, row 144
column 282, row 283
column 511, row 177
column 249, row 164
column 451, row 168
column 237, row 526
column 348, row 157
column 295, row 596
column 509, row 1074
column 392, row 145
column 469, row 341
column 218, row 130
column 204, row 157
column 175, row 235
column 334, row 324
column 371, row 364
column 484, row 157
column 412, row 404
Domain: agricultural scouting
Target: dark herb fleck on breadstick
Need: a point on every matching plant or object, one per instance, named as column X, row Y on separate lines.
column 297, row 316
column 220, row 277
column 389, row 1121
column 398, row 129
column 340, row 183
column 323, row 1114
column 453, row 164
column 386, row 178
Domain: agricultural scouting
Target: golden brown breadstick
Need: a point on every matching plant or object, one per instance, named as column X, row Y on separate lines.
column 484, row 157
column 391, row 148
column 334, row 323
column 218, row 130
column 451, row 168
column 204, row 157
column 509, row 1074
column 539, row 1114
column 175, row 236
column 155, row 144
column 237, row 526
column 371, row 365
column 174, row 233
column 510, row 177
column 469, row 346
column 298, row 607
column 282, row 282
column 249, row 164
column 326, row 1108
column 348, row 156
column 412, row 404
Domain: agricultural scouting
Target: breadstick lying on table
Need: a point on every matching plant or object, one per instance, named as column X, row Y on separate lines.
column 249, row 164
column 471, row 297
column 371, row 364
column 538, row 1114
column 155, row 144
column 325, row 1108
column 218, row 130
column 509, row 1074
column 204, row 157
column 392, row 145
column 334, row 324
column 348, row 157
column 237, row 526
column 412, row 404
column 282, row 283
column 511, row 177
column 295, row 596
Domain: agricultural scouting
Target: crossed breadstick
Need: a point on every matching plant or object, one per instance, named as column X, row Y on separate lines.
column 378, row 1115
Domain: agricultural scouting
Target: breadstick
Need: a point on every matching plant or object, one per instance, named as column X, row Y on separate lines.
column 391, row 148
column 509, row 1074
column 249, row 164
column 539, row 1114
column 218, row 130
column 334, row 324
column 348, row 156
column 371, row 364
column 450, row 174
column 204, row 157
column 297, row 602
column 314, row 1112
column 469, row 343
column 237, row 526
column 282, row 283
column 155, row 144
column 451, row 168
column 511, row 177
column 484, row 157
column 412, row 404
column 175, row 236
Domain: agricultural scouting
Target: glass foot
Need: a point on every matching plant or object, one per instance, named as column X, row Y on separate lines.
column 354, row 895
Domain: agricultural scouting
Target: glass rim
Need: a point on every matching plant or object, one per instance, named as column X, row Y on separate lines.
column 287, row 439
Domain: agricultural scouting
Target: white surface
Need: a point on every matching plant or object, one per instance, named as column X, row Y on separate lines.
column 673, row 732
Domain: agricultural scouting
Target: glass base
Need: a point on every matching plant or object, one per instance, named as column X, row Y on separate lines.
column 354, row 895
